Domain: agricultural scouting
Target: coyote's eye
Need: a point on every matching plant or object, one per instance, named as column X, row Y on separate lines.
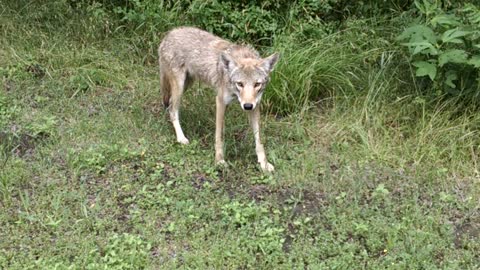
column 257, row 84
column 239, row 84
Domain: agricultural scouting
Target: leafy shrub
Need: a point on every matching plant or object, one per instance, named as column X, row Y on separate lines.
column 444, row 46
column 253, row 21
column 260, row 21
column 150, row 16
column 237, row 20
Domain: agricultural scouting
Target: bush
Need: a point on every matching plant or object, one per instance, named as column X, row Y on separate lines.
column 443, row 47
column 252, row 21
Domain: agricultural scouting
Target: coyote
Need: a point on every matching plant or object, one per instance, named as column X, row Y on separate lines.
column 235, row 71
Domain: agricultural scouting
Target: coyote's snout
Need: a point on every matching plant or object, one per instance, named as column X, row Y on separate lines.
column 235, row 71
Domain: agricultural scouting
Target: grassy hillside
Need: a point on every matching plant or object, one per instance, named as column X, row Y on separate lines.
column 372, row 171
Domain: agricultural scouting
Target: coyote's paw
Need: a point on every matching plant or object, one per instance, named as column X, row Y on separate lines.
column 267, row 167
column 183, row 140
column 221, row 162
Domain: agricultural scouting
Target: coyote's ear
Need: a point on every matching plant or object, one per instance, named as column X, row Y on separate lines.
column 227, row 61
column 269, row 62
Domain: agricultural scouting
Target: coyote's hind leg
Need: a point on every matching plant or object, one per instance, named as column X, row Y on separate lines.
column 178, row 79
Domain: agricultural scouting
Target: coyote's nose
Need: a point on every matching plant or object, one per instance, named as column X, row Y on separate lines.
column 248, row 106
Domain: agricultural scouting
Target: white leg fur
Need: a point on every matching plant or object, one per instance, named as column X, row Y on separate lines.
column 254, row 117
column 178, row 129
column 175, row 105
column 219, row 130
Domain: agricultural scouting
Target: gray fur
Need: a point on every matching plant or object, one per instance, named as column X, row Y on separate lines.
column 234, row 71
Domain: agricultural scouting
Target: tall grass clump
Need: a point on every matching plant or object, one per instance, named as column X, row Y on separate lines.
column 328, row 65
column 390, row 121
column 309, row 71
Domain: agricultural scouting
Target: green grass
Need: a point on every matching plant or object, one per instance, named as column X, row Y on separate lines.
column 373, row 177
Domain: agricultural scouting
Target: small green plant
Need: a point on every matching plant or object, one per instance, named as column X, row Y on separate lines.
column 240, row 213
column 126, row 251
column 444, row 46
column 87, row 79
column 7, row 110
column 92, row 159
column 96, row 161
column 263, row 179
column 258, row 230
column 42, row 127
column 381, row 195
column 22, row 71
column 97, row 158
column 152, row 197
column 380, row 191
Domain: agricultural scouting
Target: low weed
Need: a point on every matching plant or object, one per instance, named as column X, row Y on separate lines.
column 7, row 110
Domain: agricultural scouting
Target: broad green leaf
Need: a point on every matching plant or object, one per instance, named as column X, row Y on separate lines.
column 475, row 18
column 418, row 33
column 473, row 13
column 450, row 77
column 420, row 6
column 453, row 36
column 456, row 41
column 453, row 56
column 427, row 6
column 445, row 19
column 475, row 61
column 421, row 47
column 425, row 68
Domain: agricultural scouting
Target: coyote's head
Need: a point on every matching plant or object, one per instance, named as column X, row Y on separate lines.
column 248, row 77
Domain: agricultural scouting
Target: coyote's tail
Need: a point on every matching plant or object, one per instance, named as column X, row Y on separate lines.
column 165, row 84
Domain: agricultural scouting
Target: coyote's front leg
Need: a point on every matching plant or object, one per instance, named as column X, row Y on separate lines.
column 219, row 130
column 254, row 117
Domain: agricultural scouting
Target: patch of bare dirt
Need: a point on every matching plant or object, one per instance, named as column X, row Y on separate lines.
column 259, row 192
column 36, row 70
column 199, row 180
column 154, row 107
column 308, row 201
column 22, row 144
column 465, row 232
column 8, row 85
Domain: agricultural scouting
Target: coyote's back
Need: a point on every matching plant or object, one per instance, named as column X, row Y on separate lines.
column 186, row 50
column 197, row 52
